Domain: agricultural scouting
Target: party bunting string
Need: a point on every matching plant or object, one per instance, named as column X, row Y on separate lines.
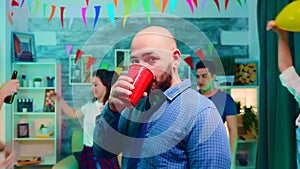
column 52, row 13
column 9, row 16
column 97, row 12
column 62, row 9
column 111, row 14
column 83, row 13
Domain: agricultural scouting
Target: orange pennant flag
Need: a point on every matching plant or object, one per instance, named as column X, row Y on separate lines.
column 164, row 5
column 90, row 61
column 116, row 3
column 52, row 13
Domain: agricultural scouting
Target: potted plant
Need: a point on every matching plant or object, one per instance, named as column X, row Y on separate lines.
column 43, row 129
column 250, row 121
column 37, row 82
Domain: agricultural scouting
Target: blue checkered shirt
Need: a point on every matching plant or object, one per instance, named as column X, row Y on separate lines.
column 182, row 130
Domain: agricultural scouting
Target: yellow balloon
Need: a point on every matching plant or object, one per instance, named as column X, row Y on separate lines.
column 289, row 17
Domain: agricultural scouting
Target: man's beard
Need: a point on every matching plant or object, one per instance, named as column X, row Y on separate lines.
column 163, row 84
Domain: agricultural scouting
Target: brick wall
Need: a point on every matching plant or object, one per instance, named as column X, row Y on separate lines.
column 101, row 44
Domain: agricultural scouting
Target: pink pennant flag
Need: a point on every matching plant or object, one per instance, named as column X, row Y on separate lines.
column 200, row 54
column 52, row 12
column 196, row 3
column 189, row 61
column 71, row 17
column 164, row 6
column 83, row 13
column 68, row 49
column 90, row 61
column 157, row 4
column 9, row 16
column 190, row 3
column 217, row 3
column 14, row 3
column 78, row 55
column 226, row 4
column 173, row 3
column 62, row 9
column 97, row 12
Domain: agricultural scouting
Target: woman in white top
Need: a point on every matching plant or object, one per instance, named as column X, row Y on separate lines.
column 289, row 77
column 101, row 84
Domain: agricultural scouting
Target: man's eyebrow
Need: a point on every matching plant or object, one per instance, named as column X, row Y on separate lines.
column 144, row 54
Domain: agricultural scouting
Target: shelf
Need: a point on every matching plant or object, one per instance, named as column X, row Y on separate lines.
column 32, row 138
column 35, row 88
column 34, row 113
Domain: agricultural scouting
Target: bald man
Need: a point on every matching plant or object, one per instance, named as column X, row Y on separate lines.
column 172, row 126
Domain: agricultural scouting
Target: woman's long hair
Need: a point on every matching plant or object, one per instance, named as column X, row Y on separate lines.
column 107, row 78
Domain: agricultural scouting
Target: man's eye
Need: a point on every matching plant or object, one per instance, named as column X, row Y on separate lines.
column 151, row 59
column 134, row 61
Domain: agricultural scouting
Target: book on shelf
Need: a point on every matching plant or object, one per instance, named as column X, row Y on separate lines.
column 44, row 135
column 25, row 160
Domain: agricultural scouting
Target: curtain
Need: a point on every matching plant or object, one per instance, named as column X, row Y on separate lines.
column 277, row 107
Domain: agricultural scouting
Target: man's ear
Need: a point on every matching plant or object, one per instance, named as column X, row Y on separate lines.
column 213, row 77
column 176, row 57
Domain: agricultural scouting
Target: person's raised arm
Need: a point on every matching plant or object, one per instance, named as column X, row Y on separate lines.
column 284, row 54
column 68, row 110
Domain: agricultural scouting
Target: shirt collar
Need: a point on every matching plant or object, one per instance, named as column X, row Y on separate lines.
column 176, row 90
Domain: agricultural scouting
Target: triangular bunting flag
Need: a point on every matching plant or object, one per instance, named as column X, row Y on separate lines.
column 164, row 6
column 226, row 4
column 190, row 5
column 62, row 9
column 200, row 54
column 68, row 49
column 52, row 13
column 14, row 3
column 217, row 3
column 97, row 12
column 78, row 55
column 189, row 61
column 90, row 61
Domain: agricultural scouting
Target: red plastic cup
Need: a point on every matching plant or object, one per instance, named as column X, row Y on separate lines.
column 142, row 76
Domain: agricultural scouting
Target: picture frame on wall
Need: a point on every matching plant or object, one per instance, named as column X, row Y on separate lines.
column 245, row 73
column 23, row 130
column 122, row 59
column 23, row 47
column 78, row 74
